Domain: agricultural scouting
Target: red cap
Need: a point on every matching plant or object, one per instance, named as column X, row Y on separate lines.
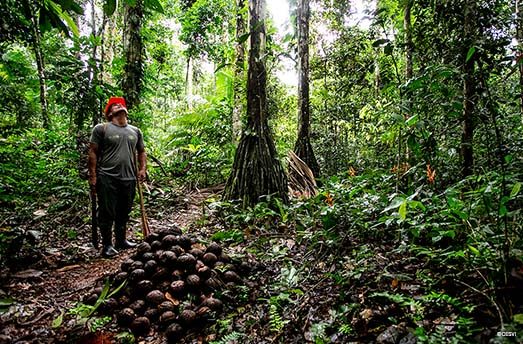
column 115, row 100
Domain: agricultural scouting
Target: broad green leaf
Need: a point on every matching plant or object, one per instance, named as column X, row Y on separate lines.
column 379, row 42
column 243, row 38
column 110, row 6
column 470, row 53
column 515, row 190
column 518, row 318
column 154, row 5
column 403, row 211
column 474, row 250
column 388, row 49
column 57, row 322
column 63, row 16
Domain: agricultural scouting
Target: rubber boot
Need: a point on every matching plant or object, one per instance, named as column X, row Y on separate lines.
column 107, row 242
column 121, row 242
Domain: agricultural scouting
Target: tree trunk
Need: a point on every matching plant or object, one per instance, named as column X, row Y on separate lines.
column 256, row 171
column 519, row 54
column 409, row 47
column 469, row 92
column 189, row 82
column 40, row 65
column 133, row 51
column 239, row 71
column 303, row 147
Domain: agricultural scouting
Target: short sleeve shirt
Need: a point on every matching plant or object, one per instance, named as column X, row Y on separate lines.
column 117, row 147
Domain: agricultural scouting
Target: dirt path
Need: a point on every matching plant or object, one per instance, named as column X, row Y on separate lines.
column 35, row 297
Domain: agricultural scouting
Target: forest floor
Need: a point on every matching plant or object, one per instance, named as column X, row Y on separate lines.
column 294, row 292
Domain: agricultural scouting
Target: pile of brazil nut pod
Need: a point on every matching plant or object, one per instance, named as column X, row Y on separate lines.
column 170, row 285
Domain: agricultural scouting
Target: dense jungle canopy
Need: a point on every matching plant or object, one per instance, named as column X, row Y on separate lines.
column 360, row 162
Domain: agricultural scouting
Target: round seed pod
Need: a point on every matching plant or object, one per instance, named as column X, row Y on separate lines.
column 167, row 317
column 143, row 248
column 214, row 248
column 168, row 257
column 156, row 245
column 213, row 303
column 144, row 286
column 108, row 306
column 125, row 317
column 199, row 264
column 166, row 306
column 160, row 274
column 158, row 254
column 177, row 275
column 140, row 326
column 152, row 314
column 209, row 259
column 138, row 306
column 126, row 265
column 193, row 281
column 169, row 241
column 150, row 266
column 120, row 277
column 177, row 287
column 185, row 242
column 90, row 299
column 224, row 258
column 164, row 285
column 203, row 311
column 136, row 275
column 244, row 267
column 187, row 261
column 187, row 317
column 147, row 256
column 155, row 297
column 204, row 272
column 98, row 290
column 212, row 283
column 196, row 252
column 137, row 264
column 178, row 250
column 174, row 333
column 231, row 276
column 152, row 237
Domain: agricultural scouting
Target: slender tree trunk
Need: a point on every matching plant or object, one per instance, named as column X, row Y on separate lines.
column 303, row 147
column 409, row 47
column 469, row 92
column 189, row 82
column 256, row 171
column 40, row 64
column 133, row 51
column 519, row 56
column 239, row 71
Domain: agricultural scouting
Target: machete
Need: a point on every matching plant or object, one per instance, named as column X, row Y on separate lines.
column 94, row 219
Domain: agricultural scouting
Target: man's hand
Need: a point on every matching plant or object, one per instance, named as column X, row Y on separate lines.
column 141, row 176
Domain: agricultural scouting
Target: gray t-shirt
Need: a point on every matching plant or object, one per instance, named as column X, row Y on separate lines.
column 116, row 148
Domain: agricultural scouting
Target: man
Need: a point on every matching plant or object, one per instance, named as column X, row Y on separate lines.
column 112, row 173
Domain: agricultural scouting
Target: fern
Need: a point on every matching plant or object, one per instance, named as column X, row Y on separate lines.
column 229, row 338
column 276, row 322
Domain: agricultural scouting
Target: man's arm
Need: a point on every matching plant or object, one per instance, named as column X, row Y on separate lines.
column 142, row 165
column 91, row 163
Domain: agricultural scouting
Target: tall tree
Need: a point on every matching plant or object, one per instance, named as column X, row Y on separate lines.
column 303, row 147
column 239, row 70
column 133, row 51
column 256, row 170
column 519, row 53
column 469, row 89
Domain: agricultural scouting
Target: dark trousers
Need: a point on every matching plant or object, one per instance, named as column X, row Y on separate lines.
column 115, row 201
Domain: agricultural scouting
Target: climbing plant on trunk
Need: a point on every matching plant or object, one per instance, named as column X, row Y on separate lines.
column 256, row 171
